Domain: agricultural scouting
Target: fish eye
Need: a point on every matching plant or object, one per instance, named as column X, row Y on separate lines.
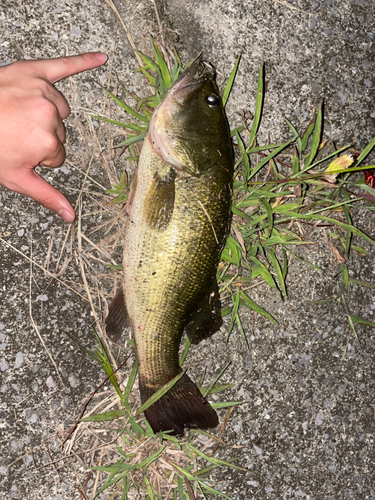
column 212, row 100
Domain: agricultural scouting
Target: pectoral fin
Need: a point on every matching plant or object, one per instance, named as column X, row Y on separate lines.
column 159, row 202
column 205, row 320
column 118, row 318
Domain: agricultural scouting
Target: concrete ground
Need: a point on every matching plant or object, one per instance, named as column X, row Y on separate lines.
column 308, row 428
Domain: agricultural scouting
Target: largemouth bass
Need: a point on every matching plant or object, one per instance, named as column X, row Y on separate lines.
column 177, row 224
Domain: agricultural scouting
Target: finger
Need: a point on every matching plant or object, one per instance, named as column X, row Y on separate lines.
column 60, row 131
column 57, row 69
column 58, row 100
column 54, row 152
column 29, row 183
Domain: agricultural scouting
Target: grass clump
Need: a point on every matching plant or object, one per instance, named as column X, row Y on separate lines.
column 305, row 179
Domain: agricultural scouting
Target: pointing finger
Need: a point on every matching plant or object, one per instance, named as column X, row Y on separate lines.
column 57, row 69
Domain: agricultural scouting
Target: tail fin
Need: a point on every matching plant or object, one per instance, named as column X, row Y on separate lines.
column 183, row 406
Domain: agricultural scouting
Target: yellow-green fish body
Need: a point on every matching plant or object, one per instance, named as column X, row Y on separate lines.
column 178, row 220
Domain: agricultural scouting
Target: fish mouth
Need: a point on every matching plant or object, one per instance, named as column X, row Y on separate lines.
column 197, row 73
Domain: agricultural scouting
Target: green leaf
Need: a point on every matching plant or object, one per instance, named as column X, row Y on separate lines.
column 362, row 321
column 130, row 383
column 125, row 107
column 227, row 404
column 268, row 208
column 266, row 275
column 162, row 64
column 232, row 251
column 255, row 307
column 316, row 137
column 104, row 417
column 306, row 135
column 295, row 133
column 230, row 81
column 245, row 157
column 209, row 389
column 129, row 125
column 276, row 265
column 186, row 350
column 366, row 151
column 268, row 158
column 258, row 107
column 132, row 140
column 236, row 302
column 149, row 63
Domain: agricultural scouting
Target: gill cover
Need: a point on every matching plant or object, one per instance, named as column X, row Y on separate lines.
column 188, row 129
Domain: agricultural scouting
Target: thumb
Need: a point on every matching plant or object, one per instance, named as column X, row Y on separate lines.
column 36, row 188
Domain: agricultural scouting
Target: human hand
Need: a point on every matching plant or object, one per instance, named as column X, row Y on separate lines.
column 31, row 128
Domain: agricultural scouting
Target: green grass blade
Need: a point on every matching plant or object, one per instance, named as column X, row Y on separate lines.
column 162, row 64
column 186, row 350
column 236, row 302
column 258, row 107
column 366, row 284
column 151, row 79
column 347, row 227
column 230, row 81
column 271, row 155
column 316, row 136
column 362, row 321
column 130, row 383
column 295, row 162
column 255, row 307
column 129, row 125
column 307, row 133
column 104, row 417
column 159, row 394
column 125, row 107
column 268, row 209
column 148, row 62
column 132, row 140
column 245, row 157
column 145, row 463
column 209, row 389
column 266, row 275
column 276, row 265
column 295, row 133
column 227, row 404
column 366, row 151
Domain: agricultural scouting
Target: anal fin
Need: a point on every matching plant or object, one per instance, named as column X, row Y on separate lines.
column 118, row 318
column 183, row 406
column 205, row 319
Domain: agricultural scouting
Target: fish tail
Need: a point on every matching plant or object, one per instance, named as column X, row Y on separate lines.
column 183, row 406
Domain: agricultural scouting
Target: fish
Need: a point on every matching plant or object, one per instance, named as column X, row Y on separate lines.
column 178, row 219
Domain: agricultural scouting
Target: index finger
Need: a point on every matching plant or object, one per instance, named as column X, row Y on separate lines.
column 56, row 69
